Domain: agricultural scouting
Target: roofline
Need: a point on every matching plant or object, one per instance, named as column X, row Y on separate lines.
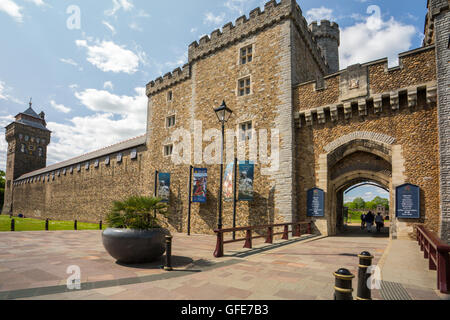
column 132, row 143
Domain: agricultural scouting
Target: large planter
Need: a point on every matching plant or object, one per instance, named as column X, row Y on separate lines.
column 135, row 246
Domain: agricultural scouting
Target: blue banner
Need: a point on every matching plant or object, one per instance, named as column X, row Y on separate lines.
column 246, row 177
column 164, row 186
column 200, row 177
column 407, row 202
column 315, row 203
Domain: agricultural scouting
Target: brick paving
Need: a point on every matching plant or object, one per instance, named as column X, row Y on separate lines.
column 33, row 266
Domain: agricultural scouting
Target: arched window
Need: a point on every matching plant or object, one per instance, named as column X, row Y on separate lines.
column 40, row 152
column 22, row 148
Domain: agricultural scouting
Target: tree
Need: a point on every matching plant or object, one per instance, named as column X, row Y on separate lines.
column 2, row 188
column 359, row 203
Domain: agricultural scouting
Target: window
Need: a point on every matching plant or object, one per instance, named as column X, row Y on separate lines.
column 247, row 54
column 169, row 96
column 170, row 121
column 168, row 150
column 245, row 131
column 87, row 165
column 133, row 154
column 244, row 86
column 38, row 140
column 107, row 161
column 22, row 148
column 119, row 157
column 40, row 152
column 78, row 167
column 27, row 138
column 96, row 163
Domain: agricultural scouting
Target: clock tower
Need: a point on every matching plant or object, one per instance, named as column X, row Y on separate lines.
column 28, row 138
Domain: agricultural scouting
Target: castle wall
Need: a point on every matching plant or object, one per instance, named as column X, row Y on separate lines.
column 409, row 117
column 214, row 78
column 86, row 195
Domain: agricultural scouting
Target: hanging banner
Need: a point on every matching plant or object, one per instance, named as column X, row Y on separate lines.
column 407, row 203
column 200, row 177
column 228, row 183
column 164, row 186
column 315, row 203
column 246, row 177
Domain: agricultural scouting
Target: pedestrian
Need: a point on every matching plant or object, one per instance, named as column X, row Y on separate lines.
column 363, row 221
column 379, row 221
column 369, row 221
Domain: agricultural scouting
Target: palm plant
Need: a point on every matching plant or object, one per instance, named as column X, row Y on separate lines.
column 136, row 212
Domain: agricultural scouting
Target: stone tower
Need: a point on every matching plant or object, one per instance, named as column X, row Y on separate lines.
column 327, row 36
column 27, row 139
column 436, row 32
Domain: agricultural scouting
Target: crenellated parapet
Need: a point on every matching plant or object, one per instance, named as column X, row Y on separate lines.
column 258, row 20
column 326, row 29
column 169, row 79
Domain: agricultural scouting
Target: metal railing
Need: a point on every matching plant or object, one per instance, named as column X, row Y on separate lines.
column 296, row 232
column 438, row 255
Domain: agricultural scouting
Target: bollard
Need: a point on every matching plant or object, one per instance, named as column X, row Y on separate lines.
column 75, row 225
column 168, row 266
column 13, row 225
column 343, row 285
column 46, row 224
column 100, row 225
column 365, row 261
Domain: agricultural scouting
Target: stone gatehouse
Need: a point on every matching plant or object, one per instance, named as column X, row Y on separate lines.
column 332, row 128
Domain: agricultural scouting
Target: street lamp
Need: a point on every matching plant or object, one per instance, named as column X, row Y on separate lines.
column 223, row 113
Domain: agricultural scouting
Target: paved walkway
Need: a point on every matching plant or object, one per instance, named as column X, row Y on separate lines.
column 33, row 266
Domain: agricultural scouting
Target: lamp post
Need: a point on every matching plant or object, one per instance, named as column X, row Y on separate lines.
column 223, row 113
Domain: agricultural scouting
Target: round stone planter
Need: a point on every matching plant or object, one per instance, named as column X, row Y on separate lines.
column 135, row 246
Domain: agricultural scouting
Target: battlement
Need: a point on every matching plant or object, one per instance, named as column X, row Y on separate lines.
column 244, row 26
column 326, row 29
column 169, row 79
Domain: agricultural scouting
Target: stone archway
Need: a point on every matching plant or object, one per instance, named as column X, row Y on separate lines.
column 357, row 157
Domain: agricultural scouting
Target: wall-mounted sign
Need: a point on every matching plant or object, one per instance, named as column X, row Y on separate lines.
column 407, row 202
column 315, row 203
column 246, row 176
column 164, row 186
column 200, row 177
column 228, row 183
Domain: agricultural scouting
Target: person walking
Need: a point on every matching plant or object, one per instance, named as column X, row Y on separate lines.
column 379, row 222
column 363, row 221
column 369, row 221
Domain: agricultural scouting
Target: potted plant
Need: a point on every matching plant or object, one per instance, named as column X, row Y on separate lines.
column 135, row 234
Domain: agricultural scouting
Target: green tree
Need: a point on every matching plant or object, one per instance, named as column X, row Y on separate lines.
column 2, row 188
column 359, row 203
column 381, row 201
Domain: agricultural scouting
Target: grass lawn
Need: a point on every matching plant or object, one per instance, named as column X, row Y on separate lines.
column 39, row 225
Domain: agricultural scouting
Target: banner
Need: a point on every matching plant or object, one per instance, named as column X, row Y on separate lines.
column 315, row 203
column 407, row 201
column 228, row 183
column 200, row 177
column 246, row 177
column 164, row 186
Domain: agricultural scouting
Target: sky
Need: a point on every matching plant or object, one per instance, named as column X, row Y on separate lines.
column 86, row 63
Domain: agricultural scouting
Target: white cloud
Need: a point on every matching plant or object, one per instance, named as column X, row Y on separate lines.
column 210, row 18
column 108, row 56
column 116, row 118
column 193, row 30
column 59, row 107
column 4, row 95
column 373, row 39
column 180, row 61
column 317, row 14
column 237, row 5
column 110, row 27
column 39, row 3
column 108, row 84
column 12, row 9
column 69, row 61
column 134, row 26
column 119, row 4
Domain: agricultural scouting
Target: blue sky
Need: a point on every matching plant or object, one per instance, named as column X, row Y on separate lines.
column 90, row 80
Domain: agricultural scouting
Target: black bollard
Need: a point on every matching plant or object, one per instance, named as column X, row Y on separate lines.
column 365, row 261
column 46, row 224
column 13, row 225
column 75, row 226
column 343, row 285
column 100, row 225
column 168, row 266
